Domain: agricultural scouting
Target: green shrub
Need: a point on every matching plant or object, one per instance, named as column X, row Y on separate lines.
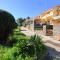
column 33, row 48
column 16, row 36
column 25, row 48
column 7, row 24
column 10, row 54
column 40, row 49
column 3, row 49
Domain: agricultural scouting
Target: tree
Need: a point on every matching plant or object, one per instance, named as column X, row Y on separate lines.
column 20, row 21
column 7, row 24
column 28, row 17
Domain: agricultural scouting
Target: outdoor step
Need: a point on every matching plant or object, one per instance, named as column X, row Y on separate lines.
column 54, row 43
column 57, row 48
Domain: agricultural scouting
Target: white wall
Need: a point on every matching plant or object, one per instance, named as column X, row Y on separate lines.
column 56, row 30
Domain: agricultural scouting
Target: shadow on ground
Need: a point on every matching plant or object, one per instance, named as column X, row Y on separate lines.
column 52, row 54
column 8, row 43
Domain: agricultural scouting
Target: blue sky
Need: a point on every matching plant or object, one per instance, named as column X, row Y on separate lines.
column 24, row 8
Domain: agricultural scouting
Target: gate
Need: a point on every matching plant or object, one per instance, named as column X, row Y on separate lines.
column 49, row 30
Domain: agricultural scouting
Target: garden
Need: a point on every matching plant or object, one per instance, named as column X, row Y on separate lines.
column 15, row 45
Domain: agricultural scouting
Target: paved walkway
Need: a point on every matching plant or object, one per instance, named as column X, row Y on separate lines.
column 27, row 32
column 53, row 45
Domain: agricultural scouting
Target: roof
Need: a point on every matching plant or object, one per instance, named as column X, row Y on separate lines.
column 41, row 15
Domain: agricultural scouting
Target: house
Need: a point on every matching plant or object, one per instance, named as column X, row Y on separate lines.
column 30, row 23
column 52, row 17
column 49, row 17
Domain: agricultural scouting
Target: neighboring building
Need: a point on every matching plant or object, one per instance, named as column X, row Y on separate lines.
column 30, row 23
column 37, row 23
column 50, row 17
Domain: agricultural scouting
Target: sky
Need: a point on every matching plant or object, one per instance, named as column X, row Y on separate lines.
column 25, row 8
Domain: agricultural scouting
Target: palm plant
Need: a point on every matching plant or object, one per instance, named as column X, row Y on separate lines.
column 33, row 48
column 40, row 48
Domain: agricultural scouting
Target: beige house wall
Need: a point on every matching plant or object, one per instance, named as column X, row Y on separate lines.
column 55, row 22
column 30, row 24
column 56, row 30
